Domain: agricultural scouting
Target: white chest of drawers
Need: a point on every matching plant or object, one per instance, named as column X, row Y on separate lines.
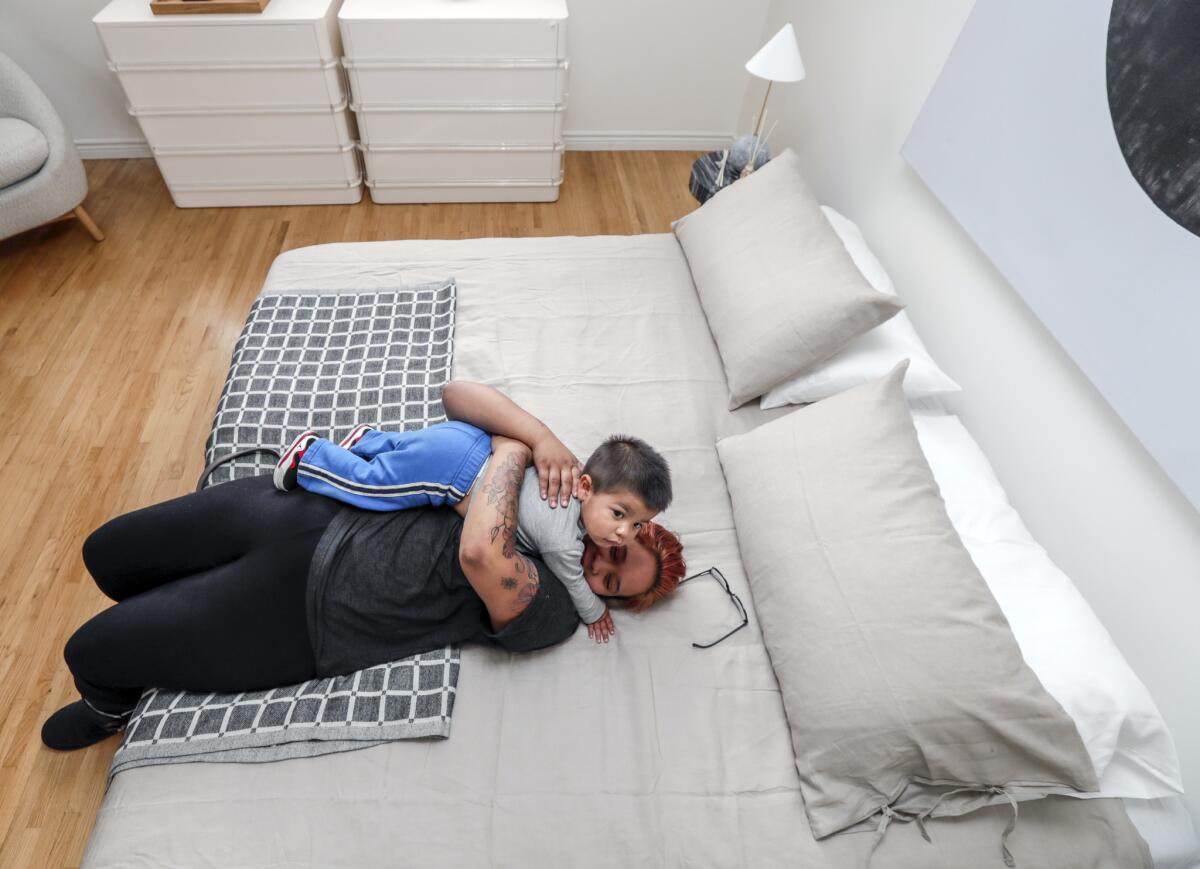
column 239, row 109
column 458, row 100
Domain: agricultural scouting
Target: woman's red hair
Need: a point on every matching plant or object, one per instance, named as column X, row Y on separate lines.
column 668, row 553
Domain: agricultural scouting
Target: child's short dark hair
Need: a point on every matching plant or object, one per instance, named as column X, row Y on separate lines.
column 626, row 462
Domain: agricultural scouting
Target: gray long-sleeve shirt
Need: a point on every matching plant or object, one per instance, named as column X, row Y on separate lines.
column 555, row 535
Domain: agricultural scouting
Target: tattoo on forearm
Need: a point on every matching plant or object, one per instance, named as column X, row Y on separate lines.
column 502, row 492
column 529, row 590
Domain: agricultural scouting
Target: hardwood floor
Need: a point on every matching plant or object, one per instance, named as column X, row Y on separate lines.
column 112, row 357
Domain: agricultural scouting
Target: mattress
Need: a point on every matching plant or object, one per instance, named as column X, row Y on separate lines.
column 642, row 752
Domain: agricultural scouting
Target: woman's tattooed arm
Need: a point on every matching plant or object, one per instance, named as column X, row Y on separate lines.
column 502, row 490
column 505, row 580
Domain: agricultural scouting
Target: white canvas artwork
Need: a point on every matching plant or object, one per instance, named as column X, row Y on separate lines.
column 1065, row 138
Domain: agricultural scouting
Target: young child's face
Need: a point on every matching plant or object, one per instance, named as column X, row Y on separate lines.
column 611, row 518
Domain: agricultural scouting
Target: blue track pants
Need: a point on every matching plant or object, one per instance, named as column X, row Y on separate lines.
column 390, row 470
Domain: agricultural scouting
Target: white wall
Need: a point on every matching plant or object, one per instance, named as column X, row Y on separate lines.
column 658, row 73
column 57, row 45
column 662, row 74
column 1086, row 487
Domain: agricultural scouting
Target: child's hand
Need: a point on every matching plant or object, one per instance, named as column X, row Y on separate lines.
column 602, row 628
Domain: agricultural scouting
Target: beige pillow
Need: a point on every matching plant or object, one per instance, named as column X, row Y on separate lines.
column 780, row 292
column 900, row 676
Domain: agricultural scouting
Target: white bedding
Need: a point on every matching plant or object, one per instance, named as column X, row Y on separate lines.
column 1060, row 637
column 1085, row 672
column 687, row 757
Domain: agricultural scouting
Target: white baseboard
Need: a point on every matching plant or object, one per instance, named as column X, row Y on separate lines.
column 112, row 149
column 630, row 140
column 120, row 149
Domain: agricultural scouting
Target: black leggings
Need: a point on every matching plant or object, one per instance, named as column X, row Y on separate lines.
column 210, row 592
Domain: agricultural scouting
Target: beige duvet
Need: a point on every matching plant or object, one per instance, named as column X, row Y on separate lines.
column 642, row 752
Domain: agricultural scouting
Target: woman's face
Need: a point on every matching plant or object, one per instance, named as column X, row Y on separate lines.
column 619, row 571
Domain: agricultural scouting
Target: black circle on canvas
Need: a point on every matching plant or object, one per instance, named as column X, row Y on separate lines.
column 1153, row 72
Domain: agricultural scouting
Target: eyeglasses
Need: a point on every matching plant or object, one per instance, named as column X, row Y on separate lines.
column 737, row 602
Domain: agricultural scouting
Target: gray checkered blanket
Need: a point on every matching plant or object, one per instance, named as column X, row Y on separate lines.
column 323, row 362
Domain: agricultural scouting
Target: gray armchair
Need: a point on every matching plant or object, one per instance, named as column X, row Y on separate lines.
column 41, row 176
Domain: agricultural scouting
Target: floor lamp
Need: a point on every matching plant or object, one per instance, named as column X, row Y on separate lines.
column 778, row 60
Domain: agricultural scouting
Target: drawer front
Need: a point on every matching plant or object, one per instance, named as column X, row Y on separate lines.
column 265, row 167
column 417, row 191
column 293, row 193
column 298, row 85
column 192, row 43
column 463, row 164
column 430, row 84
column 531, row 38
column 250, row 127
column 461, row 125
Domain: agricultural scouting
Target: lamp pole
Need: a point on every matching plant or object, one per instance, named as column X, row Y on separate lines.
column 762, row 109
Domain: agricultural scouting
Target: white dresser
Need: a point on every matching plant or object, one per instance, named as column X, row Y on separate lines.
column 458, row 100
column 247, row 109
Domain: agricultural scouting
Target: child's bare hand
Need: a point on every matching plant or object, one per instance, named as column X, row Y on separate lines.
column 603, row 628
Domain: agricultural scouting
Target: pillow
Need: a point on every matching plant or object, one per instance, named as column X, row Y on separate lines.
column 871, row 355
column 904, row 689
column 778, row 289
column 1132, row 750
column 23, row 150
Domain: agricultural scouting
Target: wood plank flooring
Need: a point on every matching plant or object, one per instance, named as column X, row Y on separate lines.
column 112, row 356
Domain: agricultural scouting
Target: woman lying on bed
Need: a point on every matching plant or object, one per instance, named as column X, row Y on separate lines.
column 241, row 587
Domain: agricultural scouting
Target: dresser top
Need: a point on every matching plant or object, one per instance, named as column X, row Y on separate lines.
column 278, row 11
column 453, row 9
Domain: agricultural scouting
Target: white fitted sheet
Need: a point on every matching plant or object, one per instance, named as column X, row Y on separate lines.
column 643, row 752
column 1167, row 828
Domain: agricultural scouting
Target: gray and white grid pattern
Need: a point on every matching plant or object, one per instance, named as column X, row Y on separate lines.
column 328, row 361
column 405, row 699
column 324, row 362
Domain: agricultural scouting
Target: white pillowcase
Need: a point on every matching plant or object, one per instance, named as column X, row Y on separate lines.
column 871, row 355
column 1060, row 637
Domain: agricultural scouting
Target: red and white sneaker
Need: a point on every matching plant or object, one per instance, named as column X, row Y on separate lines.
column 285, row 471
column 356, row 434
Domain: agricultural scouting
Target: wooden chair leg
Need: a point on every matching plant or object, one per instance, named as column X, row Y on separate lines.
column 88, row 223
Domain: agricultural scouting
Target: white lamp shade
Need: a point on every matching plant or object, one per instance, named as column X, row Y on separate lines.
column 779, row 59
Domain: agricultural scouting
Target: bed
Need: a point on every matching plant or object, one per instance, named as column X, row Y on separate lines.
column 643, row 752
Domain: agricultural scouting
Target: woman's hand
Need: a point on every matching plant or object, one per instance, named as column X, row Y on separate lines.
column 558, row 470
